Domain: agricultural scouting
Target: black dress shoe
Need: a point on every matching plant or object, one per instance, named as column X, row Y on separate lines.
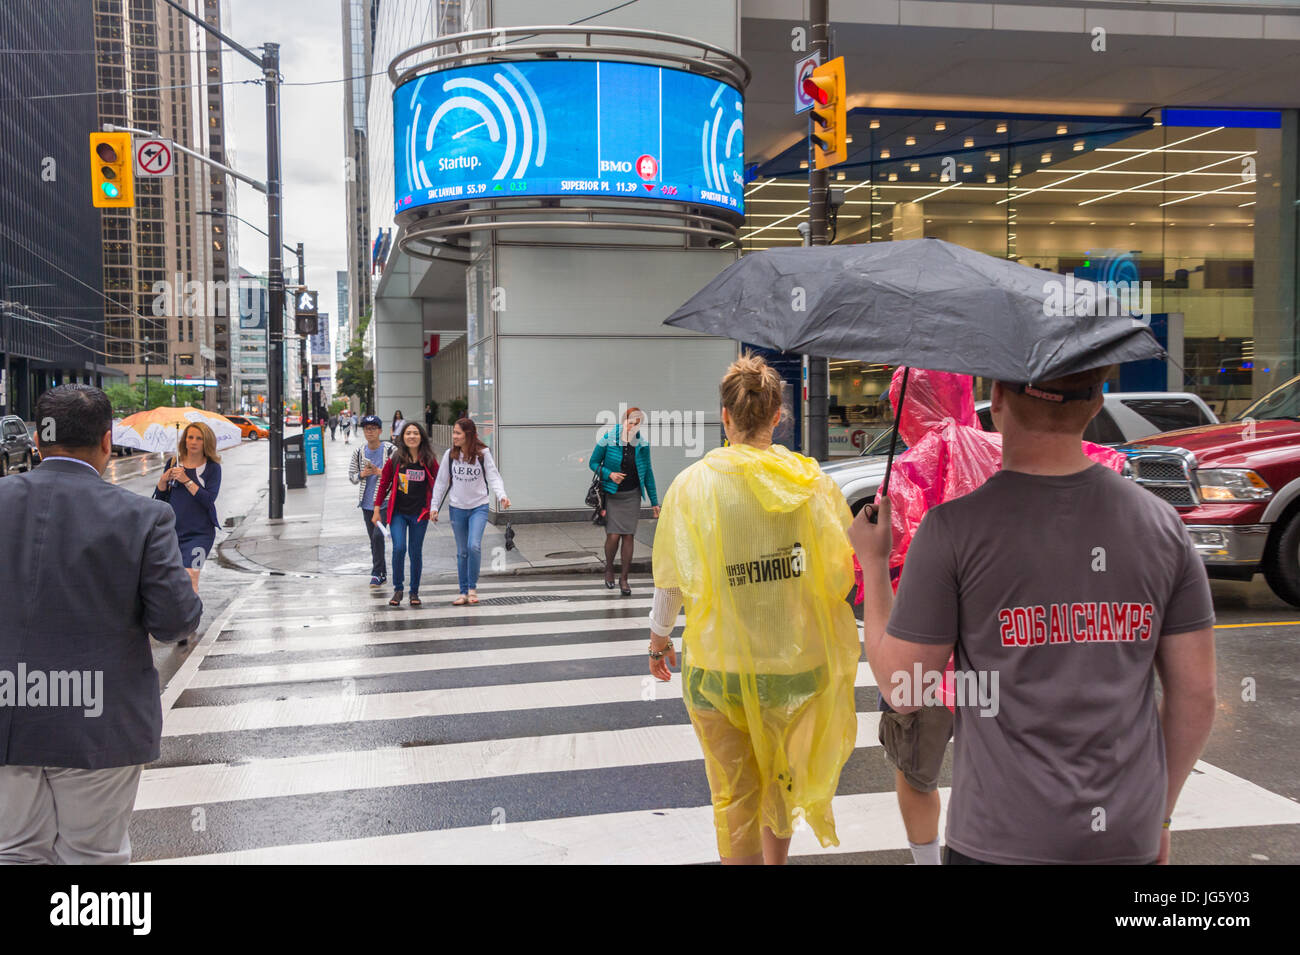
column 609, row 581
column 625, row 591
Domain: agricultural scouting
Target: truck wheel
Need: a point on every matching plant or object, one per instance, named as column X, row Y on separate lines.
column 1281, row 564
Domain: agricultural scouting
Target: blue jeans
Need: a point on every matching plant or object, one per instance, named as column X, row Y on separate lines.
column 468, row 526
column 400, row 526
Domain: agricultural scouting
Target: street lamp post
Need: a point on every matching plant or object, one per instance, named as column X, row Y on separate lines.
column 146, row 373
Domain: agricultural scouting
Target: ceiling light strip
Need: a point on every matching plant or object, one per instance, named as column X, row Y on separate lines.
column 1117, row 162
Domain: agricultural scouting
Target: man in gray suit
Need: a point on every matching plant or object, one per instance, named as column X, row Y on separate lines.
column 89, row 571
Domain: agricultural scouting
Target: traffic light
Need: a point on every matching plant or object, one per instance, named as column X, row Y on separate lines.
column 825, row 87
column 305, row 311
column 112, row 173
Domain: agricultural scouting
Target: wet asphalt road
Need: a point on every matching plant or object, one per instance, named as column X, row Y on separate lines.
column 384, row 656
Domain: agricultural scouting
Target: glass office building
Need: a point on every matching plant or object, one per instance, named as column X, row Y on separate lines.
column 1193, row 206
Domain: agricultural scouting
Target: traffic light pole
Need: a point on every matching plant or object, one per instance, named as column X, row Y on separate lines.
column 818, row 182
column 275, row 278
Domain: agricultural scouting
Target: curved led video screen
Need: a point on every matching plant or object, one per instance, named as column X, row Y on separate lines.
column 558, row 128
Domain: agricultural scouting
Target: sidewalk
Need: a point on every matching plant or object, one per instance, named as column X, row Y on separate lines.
column 322, row 533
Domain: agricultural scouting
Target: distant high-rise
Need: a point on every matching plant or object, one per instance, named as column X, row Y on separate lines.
column 166, row 267
column 358, row 41
column 343, row 331
column 51, row 278
column 248, row 333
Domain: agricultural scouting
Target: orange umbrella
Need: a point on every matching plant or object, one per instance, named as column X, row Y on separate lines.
column 160, row 429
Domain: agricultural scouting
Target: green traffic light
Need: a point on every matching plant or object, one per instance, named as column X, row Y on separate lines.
column 110, row 190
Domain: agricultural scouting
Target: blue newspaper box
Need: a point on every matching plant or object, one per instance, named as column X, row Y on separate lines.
column 314, row 439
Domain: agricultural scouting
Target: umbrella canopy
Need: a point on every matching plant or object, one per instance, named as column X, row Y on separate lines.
column 160, row 429
column 924, row 303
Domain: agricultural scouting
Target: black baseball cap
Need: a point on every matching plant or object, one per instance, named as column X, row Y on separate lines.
column 370, row 419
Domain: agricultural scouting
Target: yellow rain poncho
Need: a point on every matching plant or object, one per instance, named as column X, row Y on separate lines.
column 756, row 543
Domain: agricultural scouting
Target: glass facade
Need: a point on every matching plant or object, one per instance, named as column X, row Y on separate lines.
column 1184, row 212
column 51, row 322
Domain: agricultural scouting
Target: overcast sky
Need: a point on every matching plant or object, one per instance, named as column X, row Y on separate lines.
column 310, row 35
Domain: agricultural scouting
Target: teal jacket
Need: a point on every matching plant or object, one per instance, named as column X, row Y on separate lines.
column 608, row 458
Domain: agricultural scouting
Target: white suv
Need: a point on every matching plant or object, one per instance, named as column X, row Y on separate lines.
column 1124, row 416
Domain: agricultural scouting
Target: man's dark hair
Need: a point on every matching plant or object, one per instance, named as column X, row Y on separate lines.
column 74, row 416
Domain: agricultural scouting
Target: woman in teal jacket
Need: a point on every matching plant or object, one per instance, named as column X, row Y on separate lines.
column 622, row 459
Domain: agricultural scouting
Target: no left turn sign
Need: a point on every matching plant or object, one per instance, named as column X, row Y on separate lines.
column 153, row 157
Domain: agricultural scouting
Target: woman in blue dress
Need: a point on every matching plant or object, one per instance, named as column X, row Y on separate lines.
column 190, row 483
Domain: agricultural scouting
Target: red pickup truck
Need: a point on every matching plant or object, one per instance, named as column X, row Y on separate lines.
column 1236, row 486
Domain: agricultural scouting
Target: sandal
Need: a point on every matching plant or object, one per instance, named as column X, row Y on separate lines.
column 415, row 601
column 397, row 599
column 460, row 601
column 473, row 597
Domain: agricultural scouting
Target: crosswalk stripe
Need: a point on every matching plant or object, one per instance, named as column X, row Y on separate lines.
column 865, row 822
column 350, row 708
column 668, row 836
column 372, row 769
column 286, row 619
column 374, row 666
column 262, row 607
column 276, row 590
column 355, row 640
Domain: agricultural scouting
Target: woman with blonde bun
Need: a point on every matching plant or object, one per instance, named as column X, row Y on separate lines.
column 752, row 539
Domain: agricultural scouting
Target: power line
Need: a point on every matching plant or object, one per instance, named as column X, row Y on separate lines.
column 131, row 92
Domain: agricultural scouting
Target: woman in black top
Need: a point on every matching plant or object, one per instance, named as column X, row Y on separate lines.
column 407, row 484
column 622, row 459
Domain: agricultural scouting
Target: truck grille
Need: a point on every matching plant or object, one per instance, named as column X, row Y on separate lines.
column 1166, row 475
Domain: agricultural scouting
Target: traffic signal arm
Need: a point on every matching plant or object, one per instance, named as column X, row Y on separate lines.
column 112, row 171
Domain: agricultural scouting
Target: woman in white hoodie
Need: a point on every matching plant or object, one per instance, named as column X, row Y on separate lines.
column 468, row 470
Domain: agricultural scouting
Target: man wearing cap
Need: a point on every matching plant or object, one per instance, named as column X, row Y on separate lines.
column 1063, row 590
column 364, row 469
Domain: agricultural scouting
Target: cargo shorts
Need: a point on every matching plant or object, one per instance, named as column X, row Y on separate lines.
column 915, row 742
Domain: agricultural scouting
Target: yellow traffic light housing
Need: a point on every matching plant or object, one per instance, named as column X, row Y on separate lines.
column 825, row 86
column 112, row 171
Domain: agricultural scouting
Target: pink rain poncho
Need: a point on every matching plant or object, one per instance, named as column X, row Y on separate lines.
column 947, row 455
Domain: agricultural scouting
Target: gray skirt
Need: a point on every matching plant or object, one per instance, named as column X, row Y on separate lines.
column 621, row 511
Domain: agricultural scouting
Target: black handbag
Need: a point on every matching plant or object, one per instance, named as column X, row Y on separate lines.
column 596, row 501
column 595, row 493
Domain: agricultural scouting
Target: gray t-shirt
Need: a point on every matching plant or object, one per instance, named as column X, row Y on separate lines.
column 1062, row 588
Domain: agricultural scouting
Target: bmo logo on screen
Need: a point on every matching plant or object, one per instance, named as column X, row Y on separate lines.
column 647, row 167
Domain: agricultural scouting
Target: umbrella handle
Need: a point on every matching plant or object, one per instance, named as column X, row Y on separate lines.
column 883, row 491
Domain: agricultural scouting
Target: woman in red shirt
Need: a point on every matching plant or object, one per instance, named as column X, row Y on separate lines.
column 406, row 483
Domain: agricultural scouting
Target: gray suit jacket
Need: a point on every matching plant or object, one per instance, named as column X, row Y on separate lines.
column 87, row 571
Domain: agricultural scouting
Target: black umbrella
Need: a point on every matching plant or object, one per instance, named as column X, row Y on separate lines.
column 923, row 303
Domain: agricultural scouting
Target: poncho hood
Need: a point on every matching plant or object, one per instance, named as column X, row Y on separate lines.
column 933, row 398
column 780, row 479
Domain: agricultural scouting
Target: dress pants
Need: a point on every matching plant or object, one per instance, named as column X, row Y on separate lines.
column 378, row 567
column 72, row 816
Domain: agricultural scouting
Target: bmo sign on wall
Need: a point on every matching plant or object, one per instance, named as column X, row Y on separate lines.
column 568, row 128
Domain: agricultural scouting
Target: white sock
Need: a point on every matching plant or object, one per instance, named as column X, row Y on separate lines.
column 925, row 854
